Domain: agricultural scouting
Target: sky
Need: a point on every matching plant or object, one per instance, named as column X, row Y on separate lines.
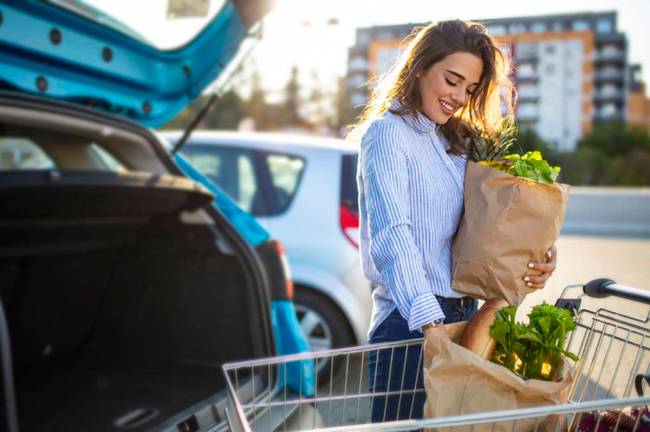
column 296, row 31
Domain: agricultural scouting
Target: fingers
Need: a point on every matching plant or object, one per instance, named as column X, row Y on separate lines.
column 543, row 267
column 531, row 281
column 538, row 273
column 551, row 255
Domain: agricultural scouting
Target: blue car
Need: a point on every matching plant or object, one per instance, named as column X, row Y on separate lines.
column 123, row 288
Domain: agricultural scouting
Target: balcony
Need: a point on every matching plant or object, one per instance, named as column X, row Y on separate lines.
column 610, row 75
column 609, row 117
column 358, row 64
column 609, row 96
column 527, row 113
column 613, row 56
column 526, row 74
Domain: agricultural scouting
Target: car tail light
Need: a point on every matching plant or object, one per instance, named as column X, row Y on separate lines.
column 349, row 225
column 285, row 266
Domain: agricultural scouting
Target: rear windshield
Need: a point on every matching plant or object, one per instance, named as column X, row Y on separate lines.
column 23, row 149
column 349, row 193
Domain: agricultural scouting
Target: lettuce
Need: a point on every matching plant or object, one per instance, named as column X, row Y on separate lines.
column 532, row 350
column 530, row 165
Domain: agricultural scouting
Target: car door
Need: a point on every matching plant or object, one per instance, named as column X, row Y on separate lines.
column 236, row 171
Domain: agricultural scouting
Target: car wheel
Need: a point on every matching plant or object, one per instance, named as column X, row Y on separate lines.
column 323, row 324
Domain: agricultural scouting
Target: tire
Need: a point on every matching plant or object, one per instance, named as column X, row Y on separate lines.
column 324, row 325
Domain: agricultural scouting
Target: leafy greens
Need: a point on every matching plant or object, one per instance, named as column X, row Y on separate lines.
column 531, row 165
column 532, row 350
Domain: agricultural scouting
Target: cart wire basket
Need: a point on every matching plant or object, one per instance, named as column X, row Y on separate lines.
column 606, row 394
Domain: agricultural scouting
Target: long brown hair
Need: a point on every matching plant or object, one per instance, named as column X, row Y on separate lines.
column 429, row 45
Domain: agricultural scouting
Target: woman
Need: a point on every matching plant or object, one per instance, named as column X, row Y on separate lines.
column 450, row 82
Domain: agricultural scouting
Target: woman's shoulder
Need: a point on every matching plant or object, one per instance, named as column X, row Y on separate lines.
column 388, row 126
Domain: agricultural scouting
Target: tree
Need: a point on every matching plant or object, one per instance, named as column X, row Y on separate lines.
column 584, row 166
column 616, row 139
column 529, row 140
column 345, row 113
column 291, row 104
column 256, row 107
column 226, row 113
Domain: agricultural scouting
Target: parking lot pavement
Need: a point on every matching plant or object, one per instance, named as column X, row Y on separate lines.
column 580, row 259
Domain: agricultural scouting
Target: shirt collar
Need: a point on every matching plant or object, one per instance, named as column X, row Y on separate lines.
column 421, row 123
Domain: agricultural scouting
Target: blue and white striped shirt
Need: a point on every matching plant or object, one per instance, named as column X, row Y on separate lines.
column 410, row 202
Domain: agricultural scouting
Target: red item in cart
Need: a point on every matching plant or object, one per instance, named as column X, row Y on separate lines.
column 607, row 421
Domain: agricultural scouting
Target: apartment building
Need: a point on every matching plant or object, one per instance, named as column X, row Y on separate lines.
column 638, row 108
column 570, row 70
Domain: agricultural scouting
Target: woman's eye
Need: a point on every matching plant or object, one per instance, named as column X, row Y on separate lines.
column 453, row 84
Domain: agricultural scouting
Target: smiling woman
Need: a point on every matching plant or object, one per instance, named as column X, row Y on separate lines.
column 415, row 129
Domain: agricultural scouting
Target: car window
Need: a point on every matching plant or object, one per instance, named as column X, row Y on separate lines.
column 247, row 184
column 18, row 153
column 209, row 164
column 285, row 172
column 231, row 169
column 24, row 153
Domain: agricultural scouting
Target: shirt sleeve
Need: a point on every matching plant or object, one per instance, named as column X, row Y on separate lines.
column 392, row 248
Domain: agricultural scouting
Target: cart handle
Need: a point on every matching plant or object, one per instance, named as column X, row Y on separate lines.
column 600, row 288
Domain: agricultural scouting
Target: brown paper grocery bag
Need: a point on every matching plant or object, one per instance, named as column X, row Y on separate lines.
column 459, row 382
column 508, row 222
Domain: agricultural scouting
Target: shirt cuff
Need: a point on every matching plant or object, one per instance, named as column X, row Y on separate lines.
column 424, row 309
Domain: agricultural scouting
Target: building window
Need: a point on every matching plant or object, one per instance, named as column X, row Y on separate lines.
column 525, row 70
column 356, row 80
column 550, row 49
column 363, row 38
column 386, row 35
column 580, row 25
column 358, row 64
column 549, row 69
column 558, row 26
column 517, row 28
column 497, row 30
column 538, row 27
column 604, row 26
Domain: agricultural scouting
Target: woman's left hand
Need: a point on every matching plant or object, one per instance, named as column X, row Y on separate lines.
column 538, row 273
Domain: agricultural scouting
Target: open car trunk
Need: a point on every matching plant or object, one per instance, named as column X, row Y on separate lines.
column 122, row 299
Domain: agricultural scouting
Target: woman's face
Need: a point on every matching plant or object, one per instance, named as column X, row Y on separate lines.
column 447, row 85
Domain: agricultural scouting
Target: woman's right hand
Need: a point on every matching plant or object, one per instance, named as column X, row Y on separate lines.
column 439, row 331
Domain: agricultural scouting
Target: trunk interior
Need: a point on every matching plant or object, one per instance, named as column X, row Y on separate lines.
column 119, row 323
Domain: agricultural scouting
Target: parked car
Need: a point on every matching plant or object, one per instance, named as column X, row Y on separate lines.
column 303, row 190
column 123, row 289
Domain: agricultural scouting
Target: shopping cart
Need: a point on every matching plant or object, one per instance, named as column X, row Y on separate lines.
column 606, row 394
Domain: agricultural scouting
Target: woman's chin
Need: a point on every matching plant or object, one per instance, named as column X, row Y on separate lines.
column 441, row 118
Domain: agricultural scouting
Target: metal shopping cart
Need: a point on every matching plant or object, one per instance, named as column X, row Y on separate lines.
column 606, row 394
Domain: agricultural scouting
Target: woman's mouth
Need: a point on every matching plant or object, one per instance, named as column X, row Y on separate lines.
column 447, row 108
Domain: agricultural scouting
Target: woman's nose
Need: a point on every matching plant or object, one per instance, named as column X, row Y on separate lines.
column 460, row 96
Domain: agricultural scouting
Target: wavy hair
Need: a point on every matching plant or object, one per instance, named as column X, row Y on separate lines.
column 487, row 106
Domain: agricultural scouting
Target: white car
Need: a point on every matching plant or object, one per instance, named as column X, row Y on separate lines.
column 303, row 191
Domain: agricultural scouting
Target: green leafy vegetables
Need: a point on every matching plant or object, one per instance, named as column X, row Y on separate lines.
column 532, row 350
column 492, row 150
column 531, row 166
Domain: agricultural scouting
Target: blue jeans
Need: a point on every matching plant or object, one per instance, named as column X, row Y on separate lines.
column 400, row 369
